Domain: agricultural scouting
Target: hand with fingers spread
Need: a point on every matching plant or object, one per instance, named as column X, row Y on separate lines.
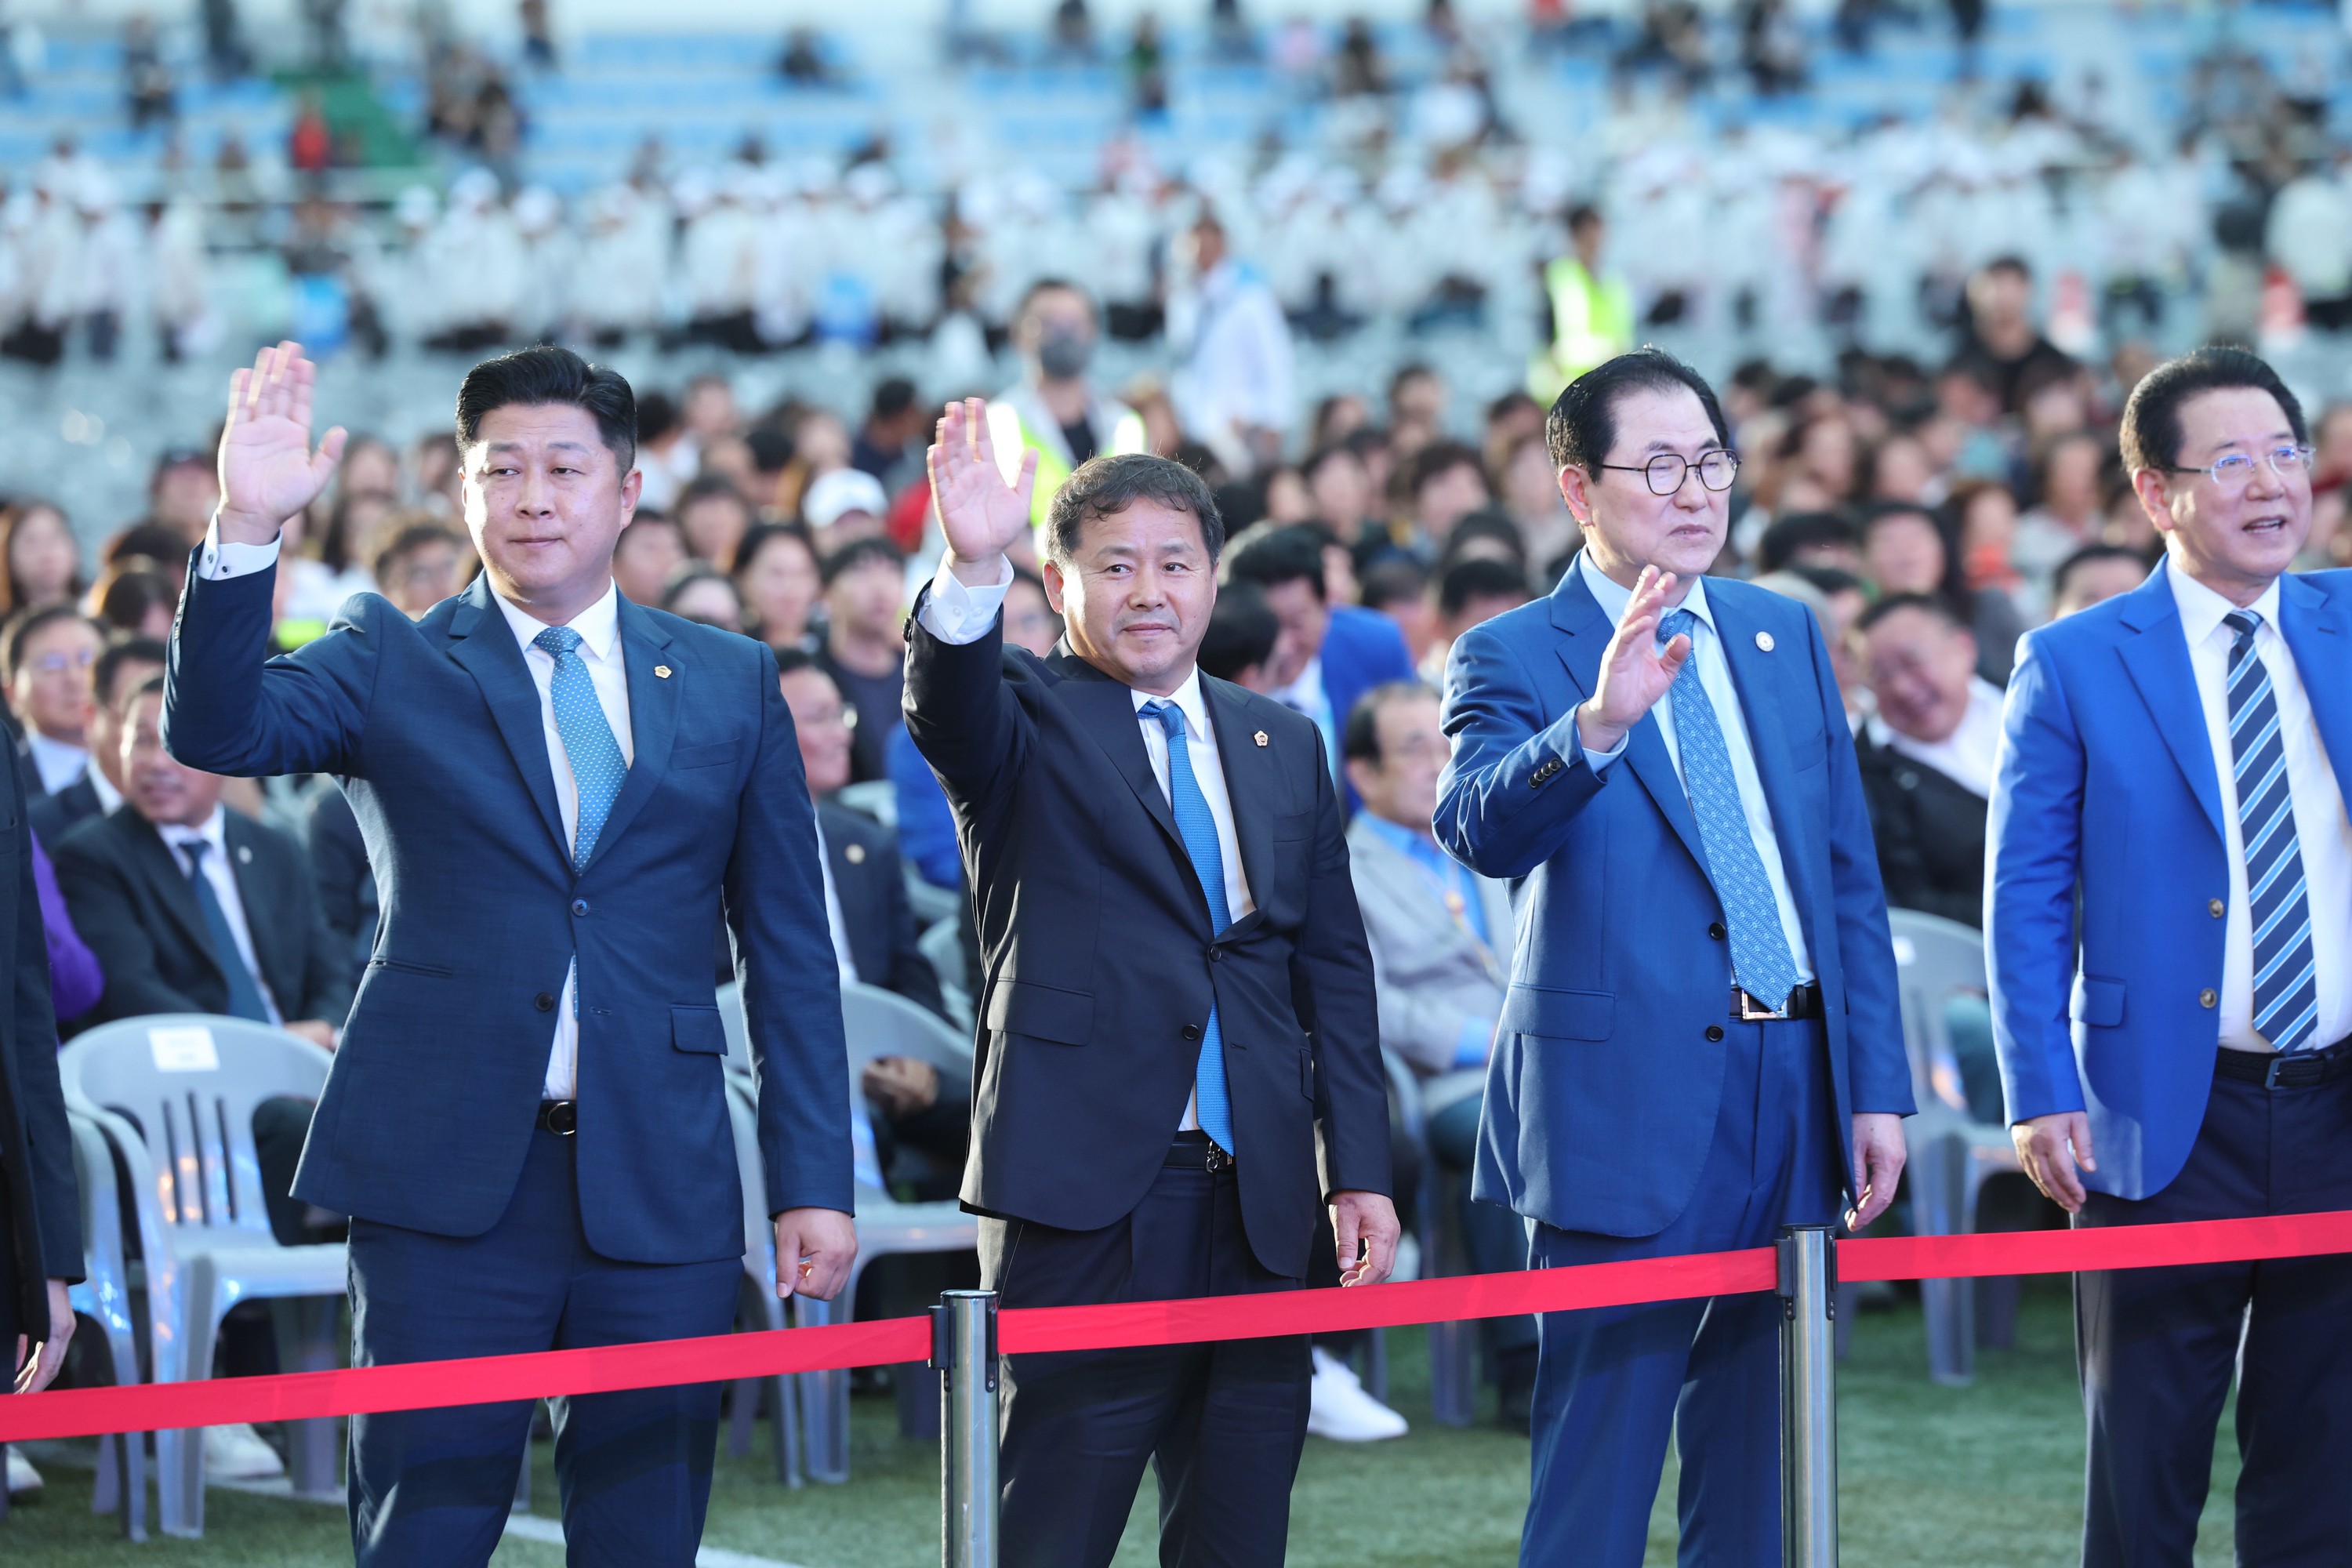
column 2055, row 1151
column 1636, row 670
column 979, row 514
column 267, row 471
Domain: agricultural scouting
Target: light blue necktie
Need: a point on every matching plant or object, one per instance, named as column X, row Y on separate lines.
column 1199, row 831
column 597, row 766
column 1760, row 959
column 2286, row 994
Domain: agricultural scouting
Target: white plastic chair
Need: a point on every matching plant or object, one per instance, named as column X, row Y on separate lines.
column 1952, row 1155
column 190, row 1082
column 942, row 945
column 104, row 1298
column 877, row 798
column 760, row 1272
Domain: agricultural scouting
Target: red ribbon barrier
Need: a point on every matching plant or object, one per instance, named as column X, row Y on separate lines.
column 155, row 1407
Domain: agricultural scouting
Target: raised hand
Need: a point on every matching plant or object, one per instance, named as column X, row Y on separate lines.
column 268, row 471
column 1636, row 671
column 979, row 514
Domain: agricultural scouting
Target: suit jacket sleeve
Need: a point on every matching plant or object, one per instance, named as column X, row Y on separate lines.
column 229, row 708
column 962, row 714
column 774, row 894
column 56, row 1194
column 97, row 885
column 1332, row 987
column 2033, row 864
column 1500, row 807
column 1877, row 1064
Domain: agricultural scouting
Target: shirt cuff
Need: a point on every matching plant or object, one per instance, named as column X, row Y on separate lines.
column 226, row 558
column 957, row 613
column 1478, row 1038
column 1565, row 740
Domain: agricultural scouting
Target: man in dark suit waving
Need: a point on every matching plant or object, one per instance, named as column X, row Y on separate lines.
column 527, row 1119
column 1177, row 1014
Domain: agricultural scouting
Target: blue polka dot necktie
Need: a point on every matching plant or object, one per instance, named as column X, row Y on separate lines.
column 2286, row 991
column 1760, row 959
column 597, row 765
column 1199, row 831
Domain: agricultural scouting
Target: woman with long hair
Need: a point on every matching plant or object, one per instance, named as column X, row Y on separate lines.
column 41, row 557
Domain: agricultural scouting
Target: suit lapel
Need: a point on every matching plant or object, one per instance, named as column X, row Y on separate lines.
column 1105, row 709
column 482, row 642
column 1253, row 782
column 2318, row 633
column 1576, row 613
column 1757, row 676
column 2157, row 656
column 653, row 718
column 260, row 912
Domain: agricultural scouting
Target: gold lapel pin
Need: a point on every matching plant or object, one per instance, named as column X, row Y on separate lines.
column 662, row 670
column 854, row 853
column 1259, row 738
column 1764, row 641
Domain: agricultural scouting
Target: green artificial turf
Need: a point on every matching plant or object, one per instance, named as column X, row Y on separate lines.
column 1989, row 1475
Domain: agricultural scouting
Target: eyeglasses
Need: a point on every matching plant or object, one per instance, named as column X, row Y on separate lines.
column 1665, row 472
column 2235, row 471
column 58, row 663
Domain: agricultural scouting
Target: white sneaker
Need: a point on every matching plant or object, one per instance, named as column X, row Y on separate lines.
column 23, row 1481
column 238, row 1454
column 1340, row 1410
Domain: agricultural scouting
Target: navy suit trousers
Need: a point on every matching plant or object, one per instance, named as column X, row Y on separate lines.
column 431, row 1489
column 2159, row 1346
column 1611, row 1383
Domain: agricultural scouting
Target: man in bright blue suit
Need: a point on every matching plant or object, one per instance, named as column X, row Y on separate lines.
column 2168, row 910
column 527, row 1119
column 1701, row 1041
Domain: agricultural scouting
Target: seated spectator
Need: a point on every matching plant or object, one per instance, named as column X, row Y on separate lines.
column 713, row 516
column 865, row 649
column 40, row 564
column 1340, row 489
column 1926, row 762
column 706, row 595
column 1488, row 534
column 1471, row 590
column 420, row 564
column 1809, row 539
column 1437, row 931
column 1908, row 551
column 843, row 506
column 50, row 655
column 1240, row 642
column 134, row 602
column 776, row 572
column 2066, row 513
column 122, row 667
column 649, row 550
column 2094, row 574
column 183, row 489
column 1445, row 482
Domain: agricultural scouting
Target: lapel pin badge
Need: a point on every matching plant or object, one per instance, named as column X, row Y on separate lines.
column 854, row 853
column 1764, row 641
column 243, row 855
column 662, row 670
column 1259, row 738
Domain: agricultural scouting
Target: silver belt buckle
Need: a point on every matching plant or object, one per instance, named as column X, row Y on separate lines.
column 1218, row 1160
column 1753, row 1012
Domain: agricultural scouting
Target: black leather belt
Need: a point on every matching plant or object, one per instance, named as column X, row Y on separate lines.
column 2296, row 1070
column 1196, row 1151
column 560, row 1117
column 1804, row 1002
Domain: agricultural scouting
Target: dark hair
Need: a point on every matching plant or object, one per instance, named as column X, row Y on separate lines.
column 705, row 486
column 1105, row 487
column 859, row 552
column 27, row 624
column 1440, row 458
column 657, row 415
column 335, row 544
column 1324, row 454
column 1511, row 403
column 648, row 517
column 759, row 535
column 1480, row 577
column 2086, row 556
column 2150, row 437
column 1828, row 579
column 1271, row 554
column 158, row 542
column 11, row 518
column 1021, row 574
column 415, row 537
column 123, row 651
column 1052, row 286
column 694, row 571
column 892, row 396
column 1242, row 632
column 132, row 596
column 2010, row 263
column 1935, row 605
column 545, row 374
column 1787, row 535
column 1879, row 512
column 1360, row 740
column 1415, row 370
column 791, row 661
column 1394, row 579
column 1580, row 215
column 1583, row 424
column 1486, row 523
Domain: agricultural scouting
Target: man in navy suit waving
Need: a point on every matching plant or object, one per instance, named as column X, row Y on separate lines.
column 527, row 1119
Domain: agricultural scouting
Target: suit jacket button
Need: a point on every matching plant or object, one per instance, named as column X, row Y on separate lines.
column 2206, row 997
column 1216, row 954
column 1714, row 1031
column 543, row 1002
column 579, row 906
column 1191, row 1031
column 1715, row 930
column 2215, row 908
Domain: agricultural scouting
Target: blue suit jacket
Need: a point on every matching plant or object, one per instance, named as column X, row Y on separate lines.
column 2106, row 854
column 1602, row 1091
column 436, row 731
column 1361, row 648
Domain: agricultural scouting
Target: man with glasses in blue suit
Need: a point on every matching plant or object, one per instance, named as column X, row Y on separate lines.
column 2169, row 922
column 1701, row 1041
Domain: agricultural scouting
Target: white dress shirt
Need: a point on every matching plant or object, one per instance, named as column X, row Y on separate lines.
column 221, row 876
column 2323, row 835
column 60, row 762
column 834, row 921
column 109, row 797
column 1967, row 755
column 1306, row 695
column 958, row 613
column 1714, row 678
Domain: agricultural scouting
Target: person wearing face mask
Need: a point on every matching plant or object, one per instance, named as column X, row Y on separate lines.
column 1054, row 410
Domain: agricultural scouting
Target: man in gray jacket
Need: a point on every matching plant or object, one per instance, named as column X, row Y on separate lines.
column 1436, row 928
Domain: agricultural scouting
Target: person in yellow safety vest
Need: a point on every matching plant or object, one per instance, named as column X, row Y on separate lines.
column 1592, row 311
column 1054, row 410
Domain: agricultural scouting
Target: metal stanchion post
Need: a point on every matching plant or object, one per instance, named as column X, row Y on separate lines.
column 1808, row 1286
column 964, row 1349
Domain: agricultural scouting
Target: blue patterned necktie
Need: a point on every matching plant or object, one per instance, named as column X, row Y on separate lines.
column 2286, row 994
column 244, row 995
column 1760, row 959
column 597, row 765
column 1199, row 831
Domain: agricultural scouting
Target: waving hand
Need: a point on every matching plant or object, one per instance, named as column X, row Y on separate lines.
column 979, row 514
column 268, row 471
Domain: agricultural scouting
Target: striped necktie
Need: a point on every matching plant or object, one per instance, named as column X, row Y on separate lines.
column 2286, row 994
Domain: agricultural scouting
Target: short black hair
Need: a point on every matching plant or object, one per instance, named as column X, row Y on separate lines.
column 1271, row 554
column 1360, row 740
column 792, row 659
column 1880, row 512
column 130, row 597
column 694, row 571
column 1394, row 580
column 29, row 624
column 119, row 653
column 1488, row 522
column 2088, row 555
column 1934, row 605
column 1480, row 577
column 157, row 541
column 759, row 535
column 1583, row 424
column 1106, row 486
column 1053, row 286
column 417, row 536
column 1828, row 579
column 1440, row 458
column 1582, row 213
column 859, row 553
column 892, row 396
column 2150, row 437
column 1242, row 632
column 703, row 487
column 1787, row 535
column 545, row 374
